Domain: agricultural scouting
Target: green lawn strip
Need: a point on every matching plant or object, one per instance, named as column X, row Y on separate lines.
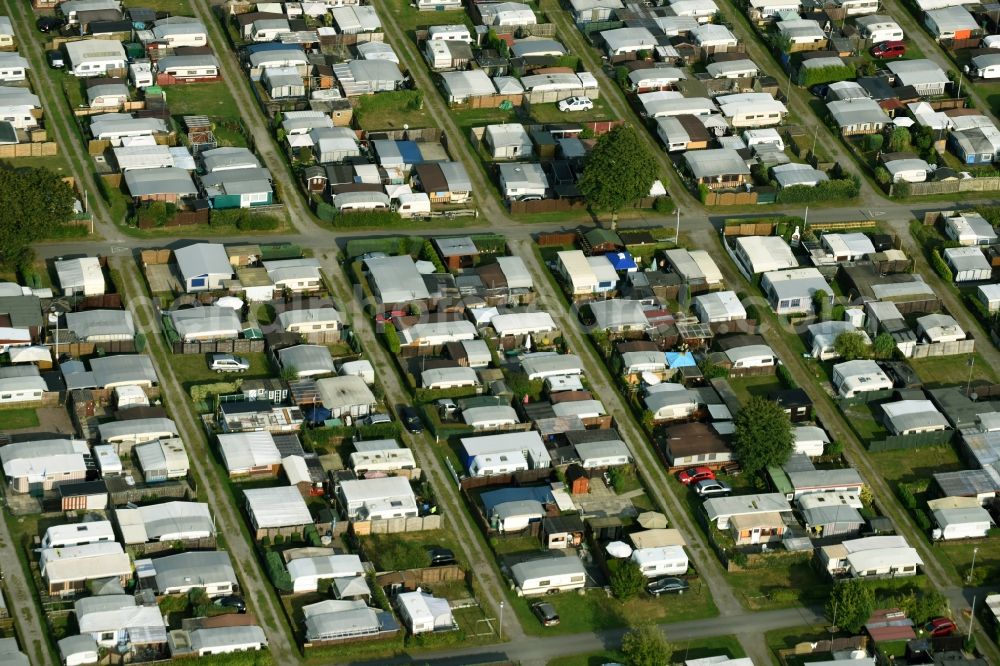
column 683, row 651
column 409, row 18
column 744, row 387
column 16, row 419
column 596, row 609
column 780, row 585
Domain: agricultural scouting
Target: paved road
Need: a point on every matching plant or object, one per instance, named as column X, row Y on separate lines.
column 456, row 516
column 228, row 520
column 21, row 600
column 539, row 649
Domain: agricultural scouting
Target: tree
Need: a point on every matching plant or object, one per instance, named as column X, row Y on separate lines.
column 646, row 645
column 899, row 139
column 37, row 203
column 821, row 301
column 883, row 347
column 627, row 579
column 619, row 170
column 874, row 142
column 763, row 435
column 851, row 345
column 850, row 605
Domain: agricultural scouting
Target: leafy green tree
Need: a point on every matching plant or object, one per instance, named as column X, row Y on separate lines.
column 883, row 346
column 874, row 142
column 646, row 645
column 763, row 435
column 850, row 605
column 821, row 301
column 899, row 139
column 619, row 170
column 627, row 580
column 37, row 202
column 851, row 345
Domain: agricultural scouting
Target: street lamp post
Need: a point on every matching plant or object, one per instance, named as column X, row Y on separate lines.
column 973, row 567
column 500, row 629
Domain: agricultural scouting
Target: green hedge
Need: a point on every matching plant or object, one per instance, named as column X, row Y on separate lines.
column 830, row 74
column 842, row 188
column 276, row 570
column 390, row 245
column 425, row 395
column 941, row 266
column 243, row 219
column 379, row 219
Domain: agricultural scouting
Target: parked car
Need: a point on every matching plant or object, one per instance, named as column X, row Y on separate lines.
column 375, row 419
column 441, row 556
column 546, row 613
column 49, row 24
column 55, row 59
column 529, row 197
column 820, row 90
column 939, row 627
column 228, row 363
column 411, row 419
column 576, row 104
column 447, row 407
column 712, row 488
column 886, row 50
column 668, row 585
column 232, row 601
column 695, row 474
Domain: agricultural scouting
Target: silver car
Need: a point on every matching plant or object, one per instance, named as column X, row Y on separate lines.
column 228, row 363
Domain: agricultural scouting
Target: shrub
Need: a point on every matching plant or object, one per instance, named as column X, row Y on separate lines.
column 841, row 188
column 243, row 219
column 663, row 205
column 626, row 579
column 874, row 141
column 391, row 338
column 276, row 571
column 815, row 76
column 906, row 496
column 941, row 266
column 381, row 219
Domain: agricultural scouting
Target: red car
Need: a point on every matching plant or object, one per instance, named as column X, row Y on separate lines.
column 886, row 50
column 693, row 474
column 940, row 627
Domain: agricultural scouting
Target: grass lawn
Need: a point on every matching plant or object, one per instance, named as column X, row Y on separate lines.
column 550, row 113
column 15, row 419
column 597, row 610
column 55, row 163
column 205, row 99
column 423, row 540
column 864, row 423
column 409, row 18
column 193, row 369
column 762, row 385
column 951, row 370
column 175, row 7
column 684, row 650
column 959, row 555
column 467, row 118
column 909, row 465
column 780, row 586
column 392, row 110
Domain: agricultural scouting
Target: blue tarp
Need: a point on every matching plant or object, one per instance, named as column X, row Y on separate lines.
column 680, row 360
column 410, row 152
column 493, row 497
column 622, row 261
column 316, row 414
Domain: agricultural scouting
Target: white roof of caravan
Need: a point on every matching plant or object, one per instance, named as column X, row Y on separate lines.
column 203, row 259
column 694, row 265
column 78, row 272
column 917, row 72
column 717, row 507
column 529, row 441
column 244, row 450
column 547, row 566
column 154, row 522
column 326, row 566
column 767, row 253
column 280, row 506
column 721, row 304
column 307, row 359
column 468, row 83
column 644, row 556
column 721, row 69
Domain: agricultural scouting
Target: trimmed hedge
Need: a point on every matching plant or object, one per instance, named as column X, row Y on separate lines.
column 379, row 219
column 391, row 245
column 830, row 74
column 842, row 188
column 243, row 219
column 941, row 266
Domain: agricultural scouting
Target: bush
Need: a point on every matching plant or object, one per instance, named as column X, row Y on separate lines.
column 834, row 448
column 627, row 580
column 831, row 74
column 428, row 253
column 663, row 205
column 394, row 554
column 276, row 571
column 391, row 337
column 923, row 520
column 312, row 536
column 873, row 142
column 906, row 496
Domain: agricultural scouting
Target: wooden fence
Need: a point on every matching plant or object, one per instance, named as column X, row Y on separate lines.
column 141, row 550
column 955, row 186
column 77, row 349
column 414, row 578
column 748, row 229
column 514, row 478
column 219, row 346
column 556, row 238
column 164, row 79
column 936, row 349
column 741, row 198
column 487, row 102
column 83, row 111
column 913, row 441
column 40, row 149
column 559, row 205
column 553, row 96
column 155, row 257
column 177, row 490
column 396, row 525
